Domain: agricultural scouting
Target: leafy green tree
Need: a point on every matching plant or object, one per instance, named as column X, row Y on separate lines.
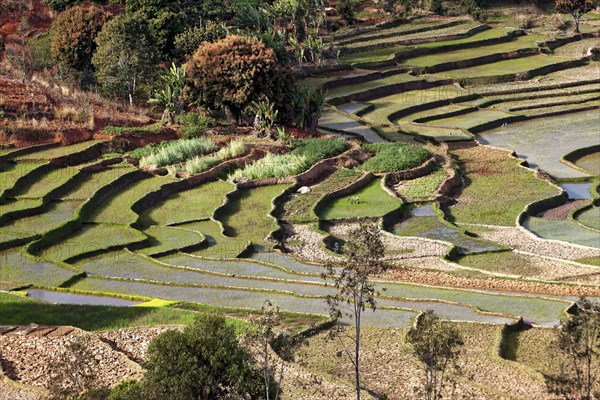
column 436, row 7
column 347, row 10
column 187, row 42
column 437, row 345
column 576, row 346
column 126, row 56
column 203, row 10
column 166, row 19
column 204, row 362
column 352, row 279
column 305, row 108
column 73, row 36
column 235, row 71
column 576, row 8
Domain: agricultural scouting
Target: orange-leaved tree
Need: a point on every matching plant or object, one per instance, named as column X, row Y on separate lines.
column 234, row 72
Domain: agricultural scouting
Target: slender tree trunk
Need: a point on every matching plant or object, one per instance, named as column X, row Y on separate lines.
column 576, row 18
column 357, row 355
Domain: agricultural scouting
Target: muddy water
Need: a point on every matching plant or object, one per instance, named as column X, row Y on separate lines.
column 542, row 142
column 80, row 299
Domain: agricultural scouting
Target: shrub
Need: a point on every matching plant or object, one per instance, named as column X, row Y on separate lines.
column 178, row 151
column 74, row 35
column 60, row 5
column 576, row 8
column 265, row 116
column 187, row 42
column 235, row 71
column 126, row 56
column 347, row 10
column 557, row 23
column 391, row 157
column 437, row 7
column 205, row 361
column 39, row 48
column 193, row 124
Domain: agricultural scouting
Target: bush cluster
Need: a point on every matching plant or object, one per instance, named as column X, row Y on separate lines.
column 390, row 157
column 317, row 149
column 193, row 124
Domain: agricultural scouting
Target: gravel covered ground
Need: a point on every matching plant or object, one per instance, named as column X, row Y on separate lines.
column 518, row 239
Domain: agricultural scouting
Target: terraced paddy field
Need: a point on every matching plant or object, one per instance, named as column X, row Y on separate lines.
column 466, row 234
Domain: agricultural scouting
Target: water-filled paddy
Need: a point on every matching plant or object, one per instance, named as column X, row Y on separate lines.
column 337, row 122
column 577, row 190
column 590, row 163
column 568, row 231
column 542, row 142
column 77, row 298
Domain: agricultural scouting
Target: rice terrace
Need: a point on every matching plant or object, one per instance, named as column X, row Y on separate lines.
column 310, row 178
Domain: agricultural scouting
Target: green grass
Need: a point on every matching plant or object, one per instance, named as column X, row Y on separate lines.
column 497, row 188
column 91, row 238
column 119, row 130
column 248, row 216
column 13, row 172
column 93, row 182
column 18, row 205
column 521, row 42
column 373, row 201
column 47, row 182
column 515, row 66
column 421, row 188
column 57, row 151
column 58, row 213
column 318, row 149
column 193, row 204
column 390, row 157
column 505, row 262
column 17, row 267
column 590, row 218
column 300, row 208
column 17, row 310
column 590, row 260
column 487, row 34
column 218, row 245
column 117, row 209
column 178, row 151
column 165, row 238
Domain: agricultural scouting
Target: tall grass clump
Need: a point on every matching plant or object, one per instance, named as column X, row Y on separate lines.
column 200, row 164
column 272, row 166
column 178, row 151
column 390, row 157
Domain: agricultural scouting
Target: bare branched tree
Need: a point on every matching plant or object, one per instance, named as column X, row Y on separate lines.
column 355, row 291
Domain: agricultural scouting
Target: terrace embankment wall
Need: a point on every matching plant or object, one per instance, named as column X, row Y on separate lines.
column 473, row 62
column 384, row 35
column 424, row 51
column 427, row 167
column 416, row 41
column 388, row 90
column 522, row 76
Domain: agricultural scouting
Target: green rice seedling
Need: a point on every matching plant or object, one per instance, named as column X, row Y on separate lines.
column 272, row 166
column 200, row 164
column 178, row 151
column 391, row 157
